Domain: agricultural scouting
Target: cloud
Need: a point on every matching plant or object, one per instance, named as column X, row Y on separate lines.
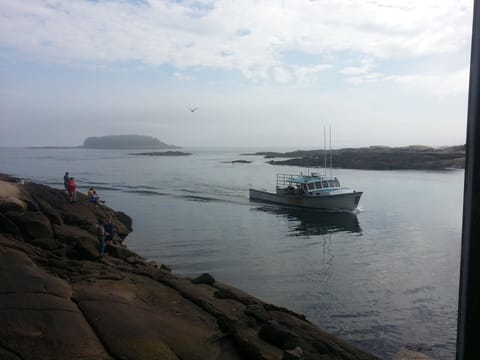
column 440, row 84
column 309, row 74
column 364, row 68
column 366, row 78
column 181, row 76
column 247, row 36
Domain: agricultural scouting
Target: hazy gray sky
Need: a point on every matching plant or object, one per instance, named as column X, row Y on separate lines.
column 263, row 73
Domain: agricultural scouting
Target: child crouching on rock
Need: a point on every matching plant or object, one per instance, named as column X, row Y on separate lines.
column 94, row 198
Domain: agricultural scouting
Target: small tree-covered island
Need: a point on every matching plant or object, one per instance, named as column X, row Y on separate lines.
column 126, row 142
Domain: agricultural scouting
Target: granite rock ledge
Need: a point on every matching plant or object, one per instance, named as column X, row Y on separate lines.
column 60, row 300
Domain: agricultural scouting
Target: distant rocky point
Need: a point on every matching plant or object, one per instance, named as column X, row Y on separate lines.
column 237, row 162
column 163, row 153
column 126, row 142
column 414, row 157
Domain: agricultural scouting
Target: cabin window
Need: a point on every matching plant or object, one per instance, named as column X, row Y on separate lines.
column 331, row 183
column 337, row 183
column 310, row 186
column 325, row 184
column 318, row 184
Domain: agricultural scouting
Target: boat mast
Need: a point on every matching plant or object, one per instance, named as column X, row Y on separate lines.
column 330, row 150
column 324, row 151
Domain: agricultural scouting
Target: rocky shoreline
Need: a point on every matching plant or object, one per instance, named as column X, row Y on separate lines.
column 60, row 300
column 415, row 157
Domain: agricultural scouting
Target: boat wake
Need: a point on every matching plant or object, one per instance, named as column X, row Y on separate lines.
column 146, row 192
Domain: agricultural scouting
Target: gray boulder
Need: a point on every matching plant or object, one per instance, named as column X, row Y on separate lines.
column 33, row 224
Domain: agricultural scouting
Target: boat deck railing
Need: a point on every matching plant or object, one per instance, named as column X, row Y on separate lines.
column 283, row 180
column 313, row 181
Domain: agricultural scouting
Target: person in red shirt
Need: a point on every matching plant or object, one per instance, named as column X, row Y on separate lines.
column 72, row 189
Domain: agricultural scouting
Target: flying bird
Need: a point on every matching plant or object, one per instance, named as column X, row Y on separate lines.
column 192, row 109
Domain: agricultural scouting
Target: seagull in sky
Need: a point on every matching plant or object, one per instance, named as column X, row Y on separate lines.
column 192, row 109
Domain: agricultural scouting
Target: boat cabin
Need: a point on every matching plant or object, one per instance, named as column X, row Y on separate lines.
column 313, row 184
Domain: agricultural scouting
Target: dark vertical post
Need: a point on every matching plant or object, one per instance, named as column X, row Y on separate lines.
column 468, row 331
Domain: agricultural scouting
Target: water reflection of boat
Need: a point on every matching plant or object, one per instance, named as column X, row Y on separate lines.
column 316, row 222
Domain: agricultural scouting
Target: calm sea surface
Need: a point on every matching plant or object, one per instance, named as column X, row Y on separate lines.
column 382, row 278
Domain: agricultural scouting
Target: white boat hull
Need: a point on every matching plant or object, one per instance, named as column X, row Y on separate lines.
column 342, row 201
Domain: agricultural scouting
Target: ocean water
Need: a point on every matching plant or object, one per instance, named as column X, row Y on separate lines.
column 383, row 277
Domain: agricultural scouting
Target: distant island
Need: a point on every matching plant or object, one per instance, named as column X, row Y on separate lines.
column 163, row 153
column 414, row 157
column 116, row 142
column 126, row 142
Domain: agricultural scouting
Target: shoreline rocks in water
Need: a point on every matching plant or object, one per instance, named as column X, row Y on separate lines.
column 60, row 300
column 163, row 153
column 415, row 157
column 237, row 162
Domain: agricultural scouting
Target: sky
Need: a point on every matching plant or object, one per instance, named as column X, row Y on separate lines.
column 263, row 73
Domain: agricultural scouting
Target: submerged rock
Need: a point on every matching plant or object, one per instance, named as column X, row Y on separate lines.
column 59, row 299
column 409, row 354
column 237, row 162
column 203, row 279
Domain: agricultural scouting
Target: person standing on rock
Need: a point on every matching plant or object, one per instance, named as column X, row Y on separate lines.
column 72, row 189
column 109, row 227
column 66, row 177
column 101, row 238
